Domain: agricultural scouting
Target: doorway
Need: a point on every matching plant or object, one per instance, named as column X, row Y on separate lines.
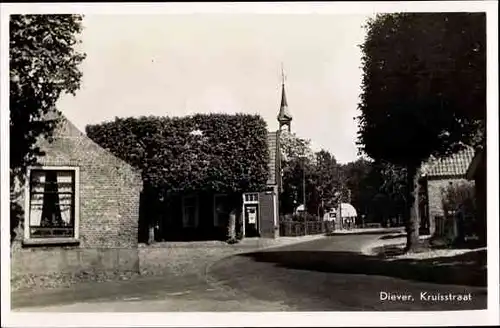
column 251, row 220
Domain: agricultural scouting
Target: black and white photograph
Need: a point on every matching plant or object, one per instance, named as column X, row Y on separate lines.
column 249, row 164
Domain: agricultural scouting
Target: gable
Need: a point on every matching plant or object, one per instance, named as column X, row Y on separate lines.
column 72, row 147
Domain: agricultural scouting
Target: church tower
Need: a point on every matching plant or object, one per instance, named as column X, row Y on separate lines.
column 284, row 116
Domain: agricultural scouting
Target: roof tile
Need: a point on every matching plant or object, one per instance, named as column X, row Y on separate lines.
column 454, row 165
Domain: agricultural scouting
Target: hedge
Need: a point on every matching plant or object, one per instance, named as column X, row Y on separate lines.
column 204, row 152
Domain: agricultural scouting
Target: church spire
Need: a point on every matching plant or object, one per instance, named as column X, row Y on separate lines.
column 284, row 116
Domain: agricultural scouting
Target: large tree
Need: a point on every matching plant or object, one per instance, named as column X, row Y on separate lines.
column 423, row 90
column 43, row 65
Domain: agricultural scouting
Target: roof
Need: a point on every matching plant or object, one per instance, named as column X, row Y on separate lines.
column 347, row 210
column 272, row 141
column 66, row 130
column 299, row 208
column 455, row 165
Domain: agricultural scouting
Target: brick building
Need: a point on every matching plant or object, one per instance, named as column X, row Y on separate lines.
column 436, row 176
column 81, row 207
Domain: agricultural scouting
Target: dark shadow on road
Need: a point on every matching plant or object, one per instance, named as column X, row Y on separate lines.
column 467, row 269
column 394, row 236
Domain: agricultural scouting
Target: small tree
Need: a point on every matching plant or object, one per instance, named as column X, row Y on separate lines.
column 356, row 179
column 297, row 162
column 458, row 201
column 326, row 179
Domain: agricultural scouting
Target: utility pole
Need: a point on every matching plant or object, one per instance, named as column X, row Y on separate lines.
column 304, row 192
column 340, row 210
column 339, row 199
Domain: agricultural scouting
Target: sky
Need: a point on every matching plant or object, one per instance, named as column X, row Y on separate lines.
column 176, row 65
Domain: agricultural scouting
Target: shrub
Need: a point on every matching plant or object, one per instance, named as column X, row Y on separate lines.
column 302, row 217
column 458, row 202
column 459, row 197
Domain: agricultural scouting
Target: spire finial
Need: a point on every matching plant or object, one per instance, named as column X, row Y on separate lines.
column 282, row 74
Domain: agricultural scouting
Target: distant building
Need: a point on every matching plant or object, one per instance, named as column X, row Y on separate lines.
column 346, row 213
column 436, row 176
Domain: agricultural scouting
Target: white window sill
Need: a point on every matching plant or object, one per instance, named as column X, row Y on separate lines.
column 50, row 241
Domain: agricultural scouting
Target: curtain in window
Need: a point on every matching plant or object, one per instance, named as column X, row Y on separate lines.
column 36, row 198
column 51, row 213
column 65, row 189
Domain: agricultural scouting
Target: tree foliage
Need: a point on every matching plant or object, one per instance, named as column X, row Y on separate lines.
column 423, row 91
column 376, row 189
column 458, row 202
column 458, row 196
column 327, row 177
column 424, row 85
column 293, row 147
column 43, row 65
column 204, row 152
column 388, row 187
column 297, row 163
column 43, row 62
column 357, row 188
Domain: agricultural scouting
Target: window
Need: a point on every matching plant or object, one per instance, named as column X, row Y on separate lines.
column 190, row 212
column 251, row 198
column 52, row 203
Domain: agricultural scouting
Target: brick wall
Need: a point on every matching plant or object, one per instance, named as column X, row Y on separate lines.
column 108, row 209
column 434, row 190
column 61, row 260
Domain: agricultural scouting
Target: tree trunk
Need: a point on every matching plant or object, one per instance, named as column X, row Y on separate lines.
column 151, row 234
column 239, row 226
column 236, row 202
column 412, row 213
column 231, row 226
column 151, row 200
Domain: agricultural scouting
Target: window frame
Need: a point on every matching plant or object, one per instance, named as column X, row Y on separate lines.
column 186, row 224
column 28, row 240
column 252, row 201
